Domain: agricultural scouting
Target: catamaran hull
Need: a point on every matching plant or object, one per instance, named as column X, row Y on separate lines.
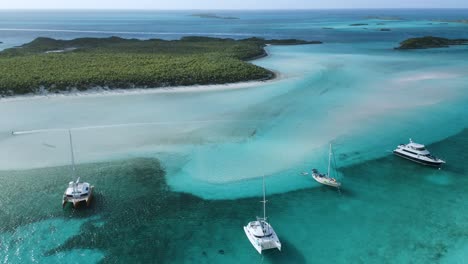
column 77, row 201
column 258, row 246
column 253, row 241
column 420, row 161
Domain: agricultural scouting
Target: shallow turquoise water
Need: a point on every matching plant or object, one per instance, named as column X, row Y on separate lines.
column 178, row 174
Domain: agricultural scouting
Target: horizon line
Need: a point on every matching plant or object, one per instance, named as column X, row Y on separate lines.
column 229, row 9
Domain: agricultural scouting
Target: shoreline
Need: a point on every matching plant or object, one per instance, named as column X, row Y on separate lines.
column 99, row 91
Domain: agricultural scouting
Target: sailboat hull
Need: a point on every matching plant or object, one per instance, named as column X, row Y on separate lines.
column 326, row 180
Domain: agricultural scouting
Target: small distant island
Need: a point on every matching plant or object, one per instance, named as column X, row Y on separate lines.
column 463, row 21
column 385, row 29
column 390, row 18
column 430, row 42
column 358, row 24
column 51, row 65
column 209, row 15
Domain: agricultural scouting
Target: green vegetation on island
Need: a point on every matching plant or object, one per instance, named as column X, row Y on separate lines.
column 430, row 42
column 209, row 15
column 52, row 65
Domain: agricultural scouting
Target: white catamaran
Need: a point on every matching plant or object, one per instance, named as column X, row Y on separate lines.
column 325, row 178
column 260, row 232
column 77, row 191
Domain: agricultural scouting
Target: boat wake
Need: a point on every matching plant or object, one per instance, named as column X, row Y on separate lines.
column 168, row 123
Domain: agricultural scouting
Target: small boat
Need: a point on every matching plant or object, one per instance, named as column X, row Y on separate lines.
column 325, row 178
column 417, row 153
column 77, row 192
column 260, row 233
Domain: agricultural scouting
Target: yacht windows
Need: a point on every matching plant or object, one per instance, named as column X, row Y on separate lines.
column 264, row 236
column 405, row 150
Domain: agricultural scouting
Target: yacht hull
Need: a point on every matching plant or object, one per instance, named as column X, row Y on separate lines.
column 420, row 161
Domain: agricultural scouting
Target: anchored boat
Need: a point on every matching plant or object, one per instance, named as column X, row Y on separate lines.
column 260, row 232
column 325, row 178
column 77, row 192
column 417, row 153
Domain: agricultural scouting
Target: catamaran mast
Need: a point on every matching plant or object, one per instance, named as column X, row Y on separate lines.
column 73, row 165
column 264, row 200
column 72, row 155
column 329, row 160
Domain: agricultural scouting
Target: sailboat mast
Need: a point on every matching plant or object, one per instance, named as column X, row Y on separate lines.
column 72, row 155
column 329, row 159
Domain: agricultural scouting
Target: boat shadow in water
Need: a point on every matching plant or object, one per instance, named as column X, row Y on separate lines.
column 288, row 254
column 327, row 190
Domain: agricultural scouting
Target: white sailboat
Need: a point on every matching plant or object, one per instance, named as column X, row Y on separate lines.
column 260, row 233
column 325, row 178
column 77, row 191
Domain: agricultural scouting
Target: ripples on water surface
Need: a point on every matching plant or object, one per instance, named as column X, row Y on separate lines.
column 177, row 175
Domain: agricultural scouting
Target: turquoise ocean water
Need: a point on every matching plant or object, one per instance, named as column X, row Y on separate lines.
column 178, row 174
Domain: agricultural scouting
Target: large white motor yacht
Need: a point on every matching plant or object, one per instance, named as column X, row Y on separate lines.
column 260, row 232
column 417, row 153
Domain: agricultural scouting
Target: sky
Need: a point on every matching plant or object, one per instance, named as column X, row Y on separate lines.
column 229, row 4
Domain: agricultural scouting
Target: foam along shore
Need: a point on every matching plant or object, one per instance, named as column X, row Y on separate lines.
column 50, row 65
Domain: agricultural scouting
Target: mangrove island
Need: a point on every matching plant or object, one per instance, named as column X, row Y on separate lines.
column 52, row 65
column 430, row 42
column 209, row 15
